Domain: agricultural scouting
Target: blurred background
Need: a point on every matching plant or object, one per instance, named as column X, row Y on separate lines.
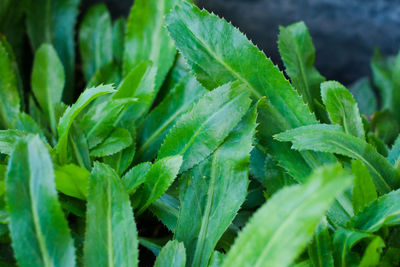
column 345, row 32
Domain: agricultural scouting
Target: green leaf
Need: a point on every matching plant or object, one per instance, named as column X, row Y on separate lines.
column 51, row 21
column 385, row 211
column 108, row 74
column 342, row 108
column 166, row 208
column 79, row 147
column 39, row 230
column 298, row 54
column 213, row 192
column 331, row 138
column 172, row 254
column 364, row 96
column 47, row 81
column 95, row 40
column 215, row 61
column 364, row 189
column 199, row 131
column 9, row 98
column 8, row 140
column 343, row 242
column 72, row 112
column 384, row 72
column 147, row 39
column 160, row 176
column 111, row 236
column 136, row 176
column 26, row 124
column 139, row 83
column 118, row 140
column 291, row 215
column 320, row 250
column 121, row 161
column 161, row 119
column 394, row 154
column 101, row 117
column 373, row 253
column 72, row 180
column 118, row 37
column 385, row 126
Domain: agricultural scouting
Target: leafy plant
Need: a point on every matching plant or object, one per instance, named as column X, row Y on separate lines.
column 187, row 146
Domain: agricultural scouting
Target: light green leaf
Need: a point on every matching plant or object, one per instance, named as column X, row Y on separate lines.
column 213, row 192
column 385, row 211
column 79, row 147
column 136, row 176
column 9, row 98
column 118, row 140
column 111, row 236
column 95, row 40
column 394, row 154
column 39, row 230
column 72, row 112
column 281, row 228
column 147, row 39
column 364, row 96
column 373, row 253
column 161, row 119
column 298, row 54
column 199, row 131
column 72, row 180
column 343, row 242
column 331, row 138
column 8, row 140
column 160, row 176
column 364, row 189
column 342, row 108
column 320, row 250
column 172, row 254
column 118, row 37
column 48, row 81
column 51, row 21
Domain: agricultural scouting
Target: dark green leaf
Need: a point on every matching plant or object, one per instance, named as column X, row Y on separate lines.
column 9, row 98
column 172, row 254
column 111, row 236
column 108, row 74
column 364, row 96
column 161, row 119
column 331, row 138
column 343, row 242
column 320, row 250
column 364, row 189
column 298, row 54
column 53, row 21
column 147, row 39
column 118, row 36
column 213, row 192
column 95, row 40
column 282, row 227
column 394, row 154
column 118, row 140
column 39, row 230
column 342, row 108
column 198, row 132
column 47, row 81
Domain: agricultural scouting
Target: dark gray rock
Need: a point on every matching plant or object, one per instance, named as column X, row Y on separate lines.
column 345, row 32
